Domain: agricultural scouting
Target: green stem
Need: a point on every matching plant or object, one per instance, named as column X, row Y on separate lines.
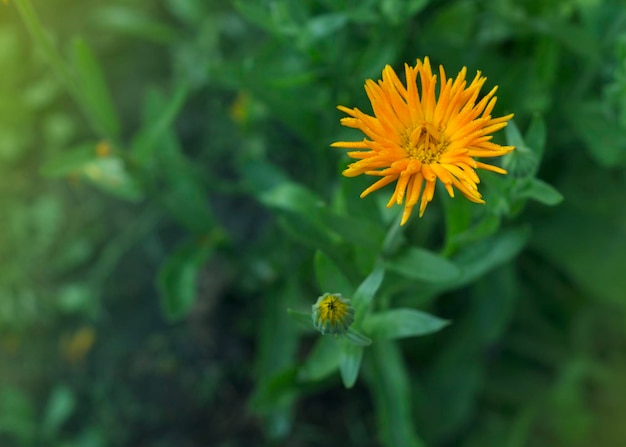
column 56, row 62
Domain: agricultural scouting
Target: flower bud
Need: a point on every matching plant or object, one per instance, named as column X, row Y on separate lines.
column 332, row 314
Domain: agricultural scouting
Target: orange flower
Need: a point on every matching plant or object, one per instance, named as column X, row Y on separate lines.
column 416, row 137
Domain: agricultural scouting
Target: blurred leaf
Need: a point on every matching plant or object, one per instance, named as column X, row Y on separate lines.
column 574, row 36
column 485, row 227
column 389, row 383
column 397, row 11
column 322, row 361
column 350, row 363
column 330, row 278
column 304, row 318
column 94, row 91
column 524, row 160
column 192, row 11
column 70, row 161
column 541, row 191
column 269, row 20
column 366, row 291
column 417, row 263
column 158, row 120
column 292, row 197
column 356, row 338
column 158, row 154
column 276, row 391
column 261, row 175
column 477, row 259
column 177, row 278
column 300, row 213
column 110, row 175
column 355, row 231
column 598, row 128
column 74, row 297
column 401, row 323
column 536, row 136
column 17, row 416
column 60, row 406
column 186, row 201
column 277, row 338
column 129, row 21
column 320, row 27
column 589, row 248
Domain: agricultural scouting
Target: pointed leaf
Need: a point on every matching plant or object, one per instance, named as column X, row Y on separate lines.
column 60, row 406
column 367, row 290
column 541, row 191
column 423, row 265
column 389, row 383
column 177, row 278
column 322, row 361
column 304, row 318
column 401, row 323
column 356, row 338
column 330, row 278
column 350, row 363
column 94, row 91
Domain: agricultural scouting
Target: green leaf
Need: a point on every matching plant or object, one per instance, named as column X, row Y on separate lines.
column 350, row 363
column 330, row 279
column 477, row 259
column 423, row 265
column 159, row 117
column 356, row 338
column 536, row 136
column 94, row 91
column 60, row 406
column 18, row 416
column 513, row 134
column 322, row 361
column 186, row 201
column 366, row 291
column 388, row 380
column 524, row 160
column 300, row 213
column 256, row 14
column 129, row 21
column 177, row 278
column 70, row 161
column 304, row 318
column 320, row 27
column 261, row 176
column 292, row 197
column 353, row 230
column 485, row 227
column 401, row 323
column 541, row 191
column 598, row 128
column 110, row 175
column 589, row 249
column 275, row 391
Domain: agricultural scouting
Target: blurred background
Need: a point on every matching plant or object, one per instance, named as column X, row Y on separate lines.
column 144, row 280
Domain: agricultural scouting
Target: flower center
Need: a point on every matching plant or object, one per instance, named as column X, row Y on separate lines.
column 425, row 143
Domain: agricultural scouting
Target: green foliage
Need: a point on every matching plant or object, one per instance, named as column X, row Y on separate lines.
column 172, row 209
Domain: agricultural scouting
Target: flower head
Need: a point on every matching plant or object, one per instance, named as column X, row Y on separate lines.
column 332, row 313
column 416, row 136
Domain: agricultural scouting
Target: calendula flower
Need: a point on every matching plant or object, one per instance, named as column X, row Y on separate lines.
column 333, row 314
column 417, row 136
